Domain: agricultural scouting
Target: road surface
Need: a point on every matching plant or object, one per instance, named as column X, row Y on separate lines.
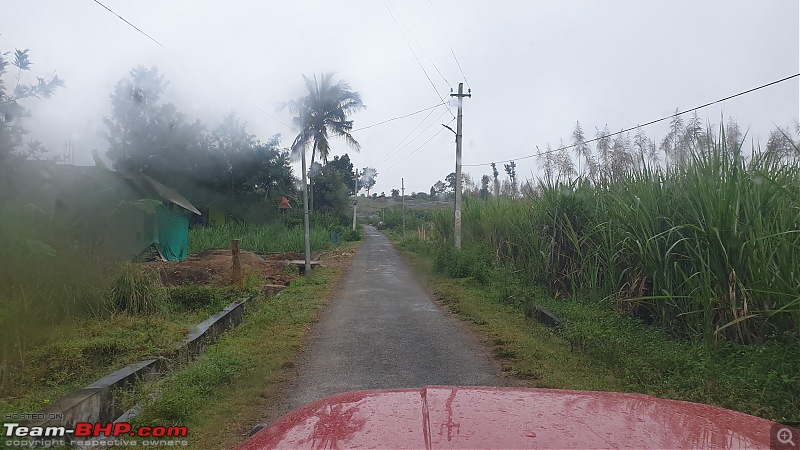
column 382, row 330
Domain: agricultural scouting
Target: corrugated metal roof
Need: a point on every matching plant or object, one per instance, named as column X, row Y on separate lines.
column 171, row 195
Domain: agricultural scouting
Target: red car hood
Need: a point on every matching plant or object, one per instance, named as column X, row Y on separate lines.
column 492, row 417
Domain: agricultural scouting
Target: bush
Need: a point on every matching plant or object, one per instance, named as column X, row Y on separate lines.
column 468, row 262
column 195, row 296
column 137, row 289
column 353, row 235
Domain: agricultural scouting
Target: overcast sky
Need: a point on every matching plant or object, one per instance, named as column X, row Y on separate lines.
column 534, row 67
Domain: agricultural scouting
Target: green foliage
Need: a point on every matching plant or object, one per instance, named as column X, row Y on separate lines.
column 196, row 383
column 196, row 296
column 331, row 191
column 274, row 237
column 351, row 235
column 705, row 249
column 323, row 111
column 471, row 262
column 68, row 357
column 243, row 358
column 227, row 166
column 757, row 379
column 11, row 130
column 137, row 289
column 368, row 178
column 597, row 340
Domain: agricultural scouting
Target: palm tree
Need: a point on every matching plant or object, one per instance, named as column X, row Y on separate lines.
column 320, row 113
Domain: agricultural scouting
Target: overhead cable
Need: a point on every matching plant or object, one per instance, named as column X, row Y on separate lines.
column 567, row 147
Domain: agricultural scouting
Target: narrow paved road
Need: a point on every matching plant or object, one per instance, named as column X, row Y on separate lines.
column 382, row 330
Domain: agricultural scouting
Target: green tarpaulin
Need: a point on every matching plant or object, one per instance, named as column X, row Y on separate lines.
column 173, row 234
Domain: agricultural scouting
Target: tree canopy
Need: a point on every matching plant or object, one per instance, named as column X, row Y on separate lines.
column 12, row 132
column 228, row 165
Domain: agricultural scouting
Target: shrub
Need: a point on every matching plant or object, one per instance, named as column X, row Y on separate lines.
column 194, row 296
column 468, row 262
column 353, row 235
column 137, row 289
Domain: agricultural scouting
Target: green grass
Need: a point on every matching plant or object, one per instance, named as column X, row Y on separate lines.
column 137, row 289
column 76, row 354
column 708, row 250
column 601, row 348
column 221, row 395
column 527, row 350
column 260, row 238
column 67, row 357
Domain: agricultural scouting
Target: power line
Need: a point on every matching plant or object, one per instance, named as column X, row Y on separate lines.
column 421, row 47
column 447, row 39
column 193, row 66
column 390, row 153
column 641, row 125
column 417, row 149
column 398, row 117
column 415, row 54
column 417, row 136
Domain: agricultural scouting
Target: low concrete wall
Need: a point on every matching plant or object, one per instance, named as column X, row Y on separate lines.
column 96, row 402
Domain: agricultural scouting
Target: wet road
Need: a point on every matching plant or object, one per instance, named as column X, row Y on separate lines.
column 382, row 330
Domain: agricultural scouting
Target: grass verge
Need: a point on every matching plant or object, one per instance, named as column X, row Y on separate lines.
column 600, row 349
column 68, row 357
column 525, row 349
column 222, row 394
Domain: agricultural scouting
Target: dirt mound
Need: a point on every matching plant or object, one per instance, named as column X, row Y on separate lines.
column 215, row 266
column 289, row 256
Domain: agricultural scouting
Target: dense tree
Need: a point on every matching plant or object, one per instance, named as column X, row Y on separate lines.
column 345, row 167
column 450, row 180
column 228, row 165
column 147, row 136
column 484, row 192
column 438, row 188
column 368, row 176
column 332, row 189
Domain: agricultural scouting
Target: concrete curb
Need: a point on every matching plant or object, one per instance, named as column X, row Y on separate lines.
column 96, row 402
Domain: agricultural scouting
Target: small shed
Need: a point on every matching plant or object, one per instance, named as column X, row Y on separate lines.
column 107, row 212
column 170, row 229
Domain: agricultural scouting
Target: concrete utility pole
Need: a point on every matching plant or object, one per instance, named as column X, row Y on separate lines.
column 460, row 96
column 355, row 200
column 403, row 190
column 307, row 233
